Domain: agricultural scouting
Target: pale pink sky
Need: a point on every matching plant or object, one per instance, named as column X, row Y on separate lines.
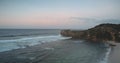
column 61, row 14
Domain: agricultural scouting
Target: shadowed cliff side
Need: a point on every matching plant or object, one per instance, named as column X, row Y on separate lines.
column 102, row 32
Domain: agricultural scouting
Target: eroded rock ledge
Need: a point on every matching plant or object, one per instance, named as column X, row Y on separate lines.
column 102, row 32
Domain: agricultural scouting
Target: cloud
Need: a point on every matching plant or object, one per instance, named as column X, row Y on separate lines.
column 91, row 22
column 96, row 20
column 114, row 21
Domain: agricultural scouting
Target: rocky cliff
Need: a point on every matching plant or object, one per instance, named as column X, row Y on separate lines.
column 103, row 32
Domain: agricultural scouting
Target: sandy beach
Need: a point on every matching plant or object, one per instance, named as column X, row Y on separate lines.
column 114, row 56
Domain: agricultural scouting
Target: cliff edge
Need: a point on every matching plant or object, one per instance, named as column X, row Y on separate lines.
column 102, row 32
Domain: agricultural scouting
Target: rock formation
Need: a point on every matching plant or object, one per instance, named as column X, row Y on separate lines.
column 102, row 32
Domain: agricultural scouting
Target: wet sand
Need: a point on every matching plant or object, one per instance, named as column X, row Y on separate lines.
column 114, row 56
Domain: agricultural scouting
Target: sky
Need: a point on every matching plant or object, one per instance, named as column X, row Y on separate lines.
column 58, row 14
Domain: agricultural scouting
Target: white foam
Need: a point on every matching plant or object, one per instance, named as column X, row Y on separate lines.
column 6, row 45
column 105, row 59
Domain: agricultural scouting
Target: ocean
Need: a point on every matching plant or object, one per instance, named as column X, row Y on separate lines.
column 21, row 38
column 80, row 52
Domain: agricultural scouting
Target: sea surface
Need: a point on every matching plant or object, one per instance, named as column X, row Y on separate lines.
column 81, row 52
column 21, row 38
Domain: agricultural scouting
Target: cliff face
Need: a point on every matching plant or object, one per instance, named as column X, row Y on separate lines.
column 104, row 32
column 73, row 33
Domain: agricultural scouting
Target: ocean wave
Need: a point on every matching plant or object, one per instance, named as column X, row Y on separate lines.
column 18, row 35
column 6, row 45
column 105, row 59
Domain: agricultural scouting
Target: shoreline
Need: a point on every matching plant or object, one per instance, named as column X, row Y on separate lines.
column 46, row 51
column 114, row 56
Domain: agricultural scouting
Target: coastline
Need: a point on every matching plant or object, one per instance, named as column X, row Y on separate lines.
column 63, row 51
column 114, row 56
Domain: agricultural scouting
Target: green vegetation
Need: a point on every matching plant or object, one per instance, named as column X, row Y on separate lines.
column 104, row 32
